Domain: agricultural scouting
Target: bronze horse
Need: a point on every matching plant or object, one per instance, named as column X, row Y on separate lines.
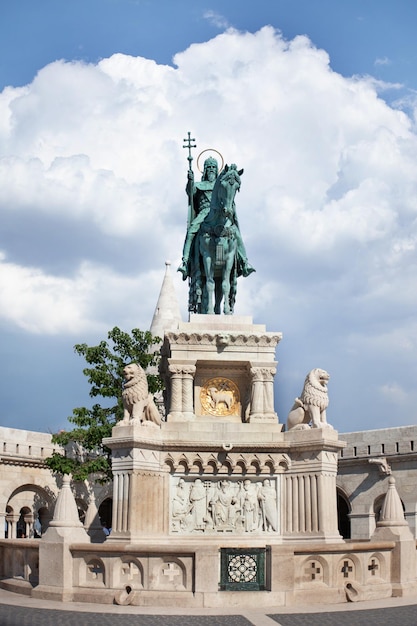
column 215, row 260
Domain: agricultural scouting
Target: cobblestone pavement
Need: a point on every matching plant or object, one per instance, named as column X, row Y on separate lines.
column 11, row 615
column 24, row 616
column 18, row 610
column 396, row 616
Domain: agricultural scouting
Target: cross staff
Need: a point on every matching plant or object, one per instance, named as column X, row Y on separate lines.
column 190, row 145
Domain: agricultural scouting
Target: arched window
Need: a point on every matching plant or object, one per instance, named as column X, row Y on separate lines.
column 343, row 510
column 105, row 513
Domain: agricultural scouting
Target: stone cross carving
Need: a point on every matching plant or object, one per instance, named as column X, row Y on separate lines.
column 171, row 571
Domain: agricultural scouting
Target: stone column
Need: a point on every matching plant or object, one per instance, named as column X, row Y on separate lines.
column 2, row 525
column 262, row 395
column 121, row 493
column 327, row 505
column 268, row 376
column 301, row 504
column 188, row 392
column 256, row 409
column 175, row 411
column 28, row 519
column 13, row 519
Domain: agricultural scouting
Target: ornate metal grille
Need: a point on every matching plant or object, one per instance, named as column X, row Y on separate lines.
column 242, row 570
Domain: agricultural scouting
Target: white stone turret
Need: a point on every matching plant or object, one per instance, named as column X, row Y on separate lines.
column 392, row 513
column 167, row 315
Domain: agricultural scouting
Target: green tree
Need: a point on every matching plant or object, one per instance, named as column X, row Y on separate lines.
column 85, row 452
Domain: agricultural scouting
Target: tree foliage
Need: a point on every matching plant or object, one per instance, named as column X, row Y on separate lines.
column 85, row 453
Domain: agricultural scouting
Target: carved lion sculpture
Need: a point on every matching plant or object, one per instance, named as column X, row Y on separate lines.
column 312, row 405
column 138, row 403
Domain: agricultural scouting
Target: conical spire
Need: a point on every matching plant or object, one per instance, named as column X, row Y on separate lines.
column 66, row 513
column 167, row 314
column 392, row 513
column 66, row 525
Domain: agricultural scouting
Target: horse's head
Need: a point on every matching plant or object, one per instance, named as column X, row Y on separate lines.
column 228, row 184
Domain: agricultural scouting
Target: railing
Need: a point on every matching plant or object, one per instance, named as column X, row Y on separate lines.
column 19, row 559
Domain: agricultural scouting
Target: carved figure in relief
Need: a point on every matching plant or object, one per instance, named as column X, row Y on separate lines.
column 198, row 505
column 268, row 503
column 138, row 403
column 223, row 505
column 180, row 504
column 218, row 506
column 311, row 407
column 224, row 396
column 220, row 396
column 249, row 506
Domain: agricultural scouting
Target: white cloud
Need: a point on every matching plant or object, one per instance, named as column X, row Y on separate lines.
column 328, row 205
column 394, row 393
column 216, row 19
column 92, row 300
column 382, row 61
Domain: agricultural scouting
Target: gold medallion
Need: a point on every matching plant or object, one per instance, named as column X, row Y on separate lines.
column 220, row 396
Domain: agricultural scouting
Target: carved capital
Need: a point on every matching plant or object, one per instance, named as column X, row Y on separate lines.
column 189, row 370
column 268, row 373
column 256, row 374
column 175, row 370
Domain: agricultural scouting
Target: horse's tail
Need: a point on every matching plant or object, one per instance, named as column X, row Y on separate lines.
column 233, row 285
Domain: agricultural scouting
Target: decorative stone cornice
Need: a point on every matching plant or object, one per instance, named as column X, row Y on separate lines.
column 234, row 339
column 23, row 461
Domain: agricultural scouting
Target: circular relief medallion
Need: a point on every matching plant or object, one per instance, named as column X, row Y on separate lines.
column 242, row 569
column 219, row 396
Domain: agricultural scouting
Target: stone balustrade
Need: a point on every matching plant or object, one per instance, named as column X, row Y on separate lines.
column 108, row 573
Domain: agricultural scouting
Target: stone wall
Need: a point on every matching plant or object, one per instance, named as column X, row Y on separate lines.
column 164, row 575
column 365, row 465
column 28, row 490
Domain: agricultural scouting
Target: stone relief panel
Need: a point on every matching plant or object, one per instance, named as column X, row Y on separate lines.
column 314, row 570
column 171, row 573
column 220, row 396
column 376, row 567
column 131, row 573
column 224, row 505
column 94, row 573
column 346, row 571
column 225, row 396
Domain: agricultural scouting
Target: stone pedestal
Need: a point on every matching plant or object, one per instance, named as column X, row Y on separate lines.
column 140, row 483
column 310, row 486
column 220, row 367
column 55, row 558
column 393, row 527
column 209, row 478
column 219, row 480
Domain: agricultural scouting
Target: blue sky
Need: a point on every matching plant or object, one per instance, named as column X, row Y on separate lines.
column 95, row 99
column 362, row 36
